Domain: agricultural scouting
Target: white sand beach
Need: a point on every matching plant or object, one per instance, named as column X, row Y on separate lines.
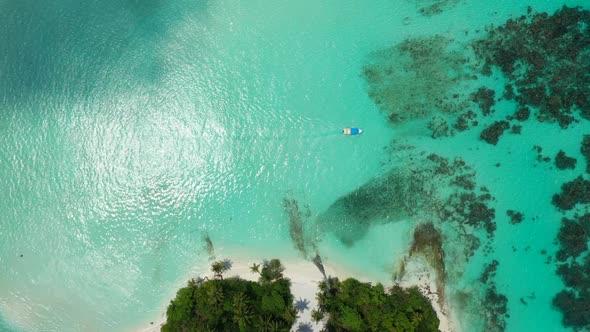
column 305, row 277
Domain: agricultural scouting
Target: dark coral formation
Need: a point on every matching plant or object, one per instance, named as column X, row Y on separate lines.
column 465, row 120
column 562, row 161
column 540, row 156
column 427, row 242
column 545, row 57
column 575, row 308
column 476, row 213
column 429, row 187
column 414, row 191
column 496, row 312
column 516, row 129
column 585, row 150
column 574, row 192
column 489, row 271
column 573, row 237
column 515, row 216
column 494, row 303
column 573, row 266
column 492, row 133
column 418, row 78
column 463, row 207
column 522, row 114
column 484, row 98
column 295, row 224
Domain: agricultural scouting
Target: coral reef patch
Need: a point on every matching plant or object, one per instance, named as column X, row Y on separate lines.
column 418, row 78
column 585, row 150
column 427, row 242
column 573, row 266
column 515, row 216
column 573, row 192
column 492, row 133
column 562, row 161
column 495, row 304
column 434, row 188
column 544, row 58
column 484, row 97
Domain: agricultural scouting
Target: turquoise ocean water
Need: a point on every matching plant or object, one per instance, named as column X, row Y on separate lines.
column 130, row 130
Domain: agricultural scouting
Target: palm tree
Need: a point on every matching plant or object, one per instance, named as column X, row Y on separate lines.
column 218, row 268
column 317, row 315
column 192, row 283
column 272, row 271
column 242, row 314
column 209, row 329
column 290, row 314
column 215, row 295
column 255, row 268
column 277, row 268
column 264, row 324
column 275, row 326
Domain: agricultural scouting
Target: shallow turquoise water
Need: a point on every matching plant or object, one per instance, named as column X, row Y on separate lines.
column 129, row 130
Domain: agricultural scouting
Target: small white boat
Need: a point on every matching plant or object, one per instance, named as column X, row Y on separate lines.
column 352, row 131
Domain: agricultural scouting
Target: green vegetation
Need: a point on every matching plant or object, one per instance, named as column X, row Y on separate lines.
column 234, row 304
column 351, row 305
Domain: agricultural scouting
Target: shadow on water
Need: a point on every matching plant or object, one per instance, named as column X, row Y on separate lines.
column 73, row 47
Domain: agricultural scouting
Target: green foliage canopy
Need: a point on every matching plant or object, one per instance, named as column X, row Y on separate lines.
column 234, row 304
column 351, row 305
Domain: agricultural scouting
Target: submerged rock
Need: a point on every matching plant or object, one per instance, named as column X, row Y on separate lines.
column 492, row 133
column 484, row 97
column 573, row 266
column 585, row 150
column 573, row 239
column 562, row 161
column 515, row 216
column 516, row 129
column 496, row 309
column 574, row 192
column 427, row 241
column 489, row 271
column 522, row 114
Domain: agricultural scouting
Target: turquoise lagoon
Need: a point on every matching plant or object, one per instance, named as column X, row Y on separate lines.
column 132, row 130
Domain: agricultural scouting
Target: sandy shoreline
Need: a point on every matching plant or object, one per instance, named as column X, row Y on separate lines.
column 305, row 277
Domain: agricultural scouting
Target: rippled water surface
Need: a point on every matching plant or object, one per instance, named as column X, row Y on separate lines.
column 131, row 130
